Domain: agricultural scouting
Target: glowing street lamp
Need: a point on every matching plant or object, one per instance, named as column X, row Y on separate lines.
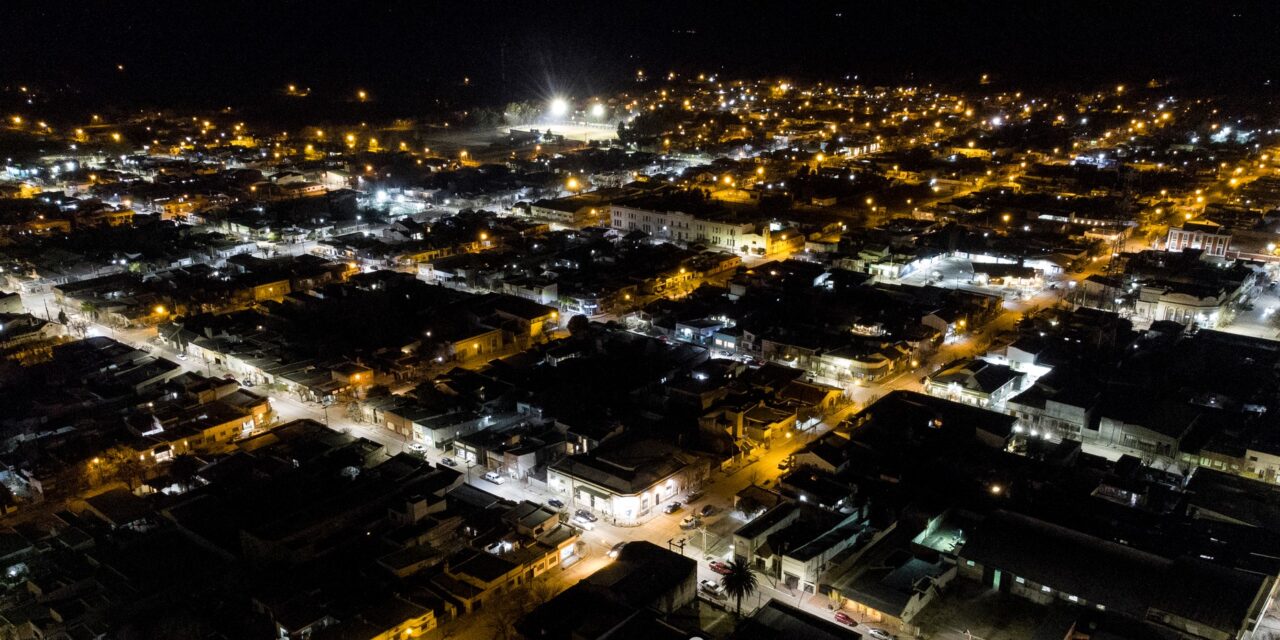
column 597, row 110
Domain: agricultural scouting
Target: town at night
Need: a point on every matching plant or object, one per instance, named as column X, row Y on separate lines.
column 675, row 321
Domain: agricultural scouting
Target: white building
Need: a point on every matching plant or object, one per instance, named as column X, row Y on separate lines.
column 678, row 226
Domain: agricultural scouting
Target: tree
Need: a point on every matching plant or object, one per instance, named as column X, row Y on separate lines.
column 500, row 614
column 579, row 324
column 121, row 463
column 184, row 469
column 90, row 309
column 740, row 582
column 78, row 327
column 62, row 316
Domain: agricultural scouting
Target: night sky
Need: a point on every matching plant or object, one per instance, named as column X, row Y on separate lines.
column 410, row 52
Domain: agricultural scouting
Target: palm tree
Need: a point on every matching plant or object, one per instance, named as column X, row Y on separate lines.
column 739, row 582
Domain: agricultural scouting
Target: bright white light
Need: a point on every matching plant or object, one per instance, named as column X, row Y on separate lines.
column 597, row 110
column 559, row 107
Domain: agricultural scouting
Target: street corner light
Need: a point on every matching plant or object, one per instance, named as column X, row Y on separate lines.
column 160, row 310
column 559, row 107
column 597, row 110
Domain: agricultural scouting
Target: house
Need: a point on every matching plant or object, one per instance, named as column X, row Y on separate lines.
column 631, row 597
column 976, row 382
column 626, row 481
column 779, row 620
column 890, row 584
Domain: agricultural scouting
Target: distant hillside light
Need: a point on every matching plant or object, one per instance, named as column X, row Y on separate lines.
column 559, row 107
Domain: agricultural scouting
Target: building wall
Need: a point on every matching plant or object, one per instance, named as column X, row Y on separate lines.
column 678, row 226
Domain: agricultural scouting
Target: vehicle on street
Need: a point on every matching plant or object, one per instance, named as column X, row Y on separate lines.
column 182, row 356
column 585, row 515
column 711, row 588
column 584, row 523
column 449, row 461
column 494, row 477
column 671, row 507
column 843, row 618
column 693, row 495
column 719, row 567
column 785, row 464
column 417, row 447
column 556, row 503
column 879, row 634
column 707, row 509
column 617, row 548
column 689, row 522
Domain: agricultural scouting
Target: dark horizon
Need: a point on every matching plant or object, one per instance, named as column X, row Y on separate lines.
column 409, row 55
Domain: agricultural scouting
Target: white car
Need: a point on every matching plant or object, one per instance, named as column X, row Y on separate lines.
column 879, row 634
column 583, row 523
column 494, row 477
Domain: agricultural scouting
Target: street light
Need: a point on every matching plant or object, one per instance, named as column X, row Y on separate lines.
column 597, row 110
column 559, row 107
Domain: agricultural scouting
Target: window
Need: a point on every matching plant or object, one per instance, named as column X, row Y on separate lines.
column 1020, row 580
column 1073, row 598
column 1100, row 607
column 968, row 563
column 1045, row 589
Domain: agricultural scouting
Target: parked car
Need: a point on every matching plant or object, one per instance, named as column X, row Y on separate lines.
column 494, row 477
column 585, row 515
column 584, row 523
column 671, row 507
column 719, row 567
column 711, row 588
column 689, row 522
column 449, row 462
column 416, row 447
column 843, row 618
column 785, row 464
column 182, row 356
column 617, row 548
column 707, row 509
column 556, row 503
column 879, row 634
column 693, row 495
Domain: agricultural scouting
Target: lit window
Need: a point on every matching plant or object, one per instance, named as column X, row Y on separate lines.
column 968, row 563
column 1046, row 589
column 1073, row 598
column 1020, row 580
